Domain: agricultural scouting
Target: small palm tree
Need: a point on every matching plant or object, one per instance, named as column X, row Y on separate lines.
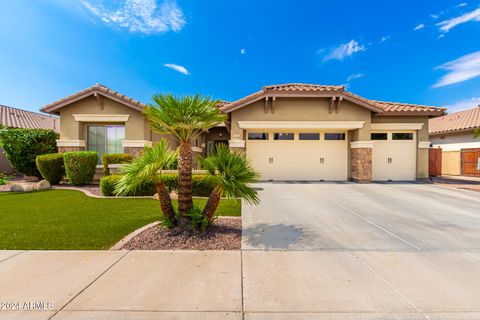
column 234, row 174
column 148, row 167
column 185, row 118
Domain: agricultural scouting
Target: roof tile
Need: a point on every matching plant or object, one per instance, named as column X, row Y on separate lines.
column 456, row 121
column 18, row 118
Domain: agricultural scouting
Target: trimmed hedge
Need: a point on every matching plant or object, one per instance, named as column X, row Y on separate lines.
column 202, row 185
column 22, row 146
column 80, row 166
column 115, row 158
column 107, row 186
column 51, row 167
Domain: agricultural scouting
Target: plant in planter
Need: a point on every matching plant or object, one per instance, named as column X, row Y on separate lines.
column 148, row 167
column 185, row 118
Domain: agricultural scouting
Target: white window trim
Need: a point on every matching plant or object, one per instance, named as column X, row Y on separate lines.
column 101, row 117
column 71, row 143
column 136, row 143
column 396, row 126
column 301, row 124
column 236, row 143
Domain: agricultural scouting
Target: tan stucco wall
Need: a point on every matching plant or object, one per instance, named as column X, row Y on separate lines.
column 74, row 130
column 298, row 109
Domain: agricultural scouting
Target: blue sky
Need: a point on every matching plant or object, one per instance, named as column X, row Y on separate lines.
column 425, row 52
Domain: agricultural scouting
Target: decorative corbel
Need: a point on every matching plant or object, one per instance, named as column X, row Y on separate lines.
column 330, row 107
column 99, row 101
column 337, row 106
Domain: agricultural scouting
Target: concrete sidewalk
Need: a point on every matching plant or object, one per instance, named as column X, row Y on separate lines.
column 241, row 284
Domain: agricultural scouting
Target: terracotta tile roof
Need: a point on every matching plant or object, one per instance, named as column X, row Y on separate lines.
column 396, row 107
column 18, row 118
column 99, row 89
column 307, row 89
column 456, row 121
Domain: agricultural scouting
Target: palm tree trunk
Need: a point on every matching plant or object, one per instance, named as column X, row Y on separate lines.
column 185, row 200
column 212, row 203
column 166, row 202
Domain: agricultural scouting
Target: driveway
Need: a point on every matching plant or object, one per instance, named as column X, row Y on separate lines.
column 362, row 217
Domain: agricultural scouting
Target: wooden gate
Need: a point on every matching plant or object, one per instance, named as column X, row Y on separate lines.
column 470, row 158
column 435, row 162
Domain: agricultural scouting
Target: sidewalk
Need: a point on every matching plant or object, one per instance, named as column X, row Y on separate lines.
column 241, row 284
column 459, row 182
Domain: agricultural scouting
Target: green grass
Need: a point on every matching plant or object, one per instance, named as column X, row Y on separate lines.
column 68, row 219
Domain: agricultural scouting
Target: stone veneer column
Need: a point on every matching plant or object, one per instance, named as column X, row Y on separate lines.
column 361, row 160
column 70, row 145
column 236, row 145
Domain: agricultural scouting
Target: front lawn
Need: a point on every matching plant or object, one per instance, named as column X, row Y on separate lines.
column 68, row 219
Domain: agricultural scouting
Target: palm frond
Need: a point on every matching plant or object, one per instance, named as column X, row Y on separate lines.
column 145, row 168
column 235, row 173
column 185, row 117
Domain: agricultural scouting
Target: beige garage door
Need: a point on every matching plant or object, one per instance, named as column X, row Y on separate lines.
column 394, row 156
column 310, row 156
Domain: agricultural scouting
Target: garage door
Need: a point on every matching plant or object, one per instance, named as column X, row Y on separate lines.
column 394, row 156
column 299, row 155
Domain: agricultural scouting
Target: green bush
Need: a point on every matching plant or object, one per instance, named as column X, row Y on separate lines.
column 202, row 185
column 51, row 167
column 115, row 158
column 22, row 146
column 80, row 166
column 4, row 178
column 107, row 186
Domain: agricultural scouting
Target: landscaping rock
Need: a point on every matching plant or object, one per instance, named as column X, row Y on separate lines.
column 22, row 187
column 43, row 185
column 155, row 196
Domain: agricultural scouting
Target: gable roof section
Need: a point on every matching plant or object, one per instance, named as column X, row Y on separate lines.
column 315, row 90
column 456, row 121
column 97, row 89
column 18, row 118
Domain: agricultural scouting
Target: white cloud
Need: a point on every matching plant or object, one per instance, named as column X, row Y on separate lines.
column 243, row 51
column 345, row 50
column 418, row 27
column 434, row 16
column 446, row 25
column 384, row 38
column 463, row 4
column 462, row 69
column 177, row 67
column 144, row 16
column 463, row 104
column 354, row 76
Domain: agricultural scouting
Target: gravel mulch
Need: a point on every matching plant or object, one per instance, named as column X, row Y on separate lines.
column 225, row 234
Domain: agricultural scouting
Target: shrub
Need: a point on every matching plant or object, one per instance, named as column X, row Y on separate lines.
column 22, row 146
column 202, row 185
column 4, row 178
column 115, row 158
column 80, row 166
column 107, row 186
column 51, row 167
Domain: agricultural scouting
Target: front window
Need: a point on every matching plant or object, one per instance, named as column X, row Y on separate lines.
column 402, row 136
column 105, row 139
column 309, row 136
column 257, row 136
column 379, row 136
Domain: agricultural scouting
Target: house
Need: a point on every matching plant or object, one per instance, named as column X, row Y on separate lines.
column 453, row 133
column 18, row 118
column 289, row 131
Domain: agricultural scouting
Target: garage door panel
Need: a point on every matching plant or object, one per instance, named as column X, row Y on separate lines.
column 394, row 160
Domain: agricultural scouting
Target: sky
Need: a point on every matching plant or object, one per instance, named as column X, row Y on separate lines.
column 422, row 52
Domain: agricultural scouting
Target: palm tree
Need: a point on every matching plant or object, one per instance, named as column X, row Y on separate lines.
column 234, row 174
column 185, row 118
column 148, row 167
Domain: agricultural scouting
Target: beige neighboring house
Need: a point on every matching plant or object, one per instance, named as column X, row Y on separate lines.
column 289, row 132
column 453, row 133
column 18, row 118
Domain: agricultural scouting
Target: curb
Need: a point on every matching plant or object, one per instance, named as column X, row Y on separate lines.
column 127, row 238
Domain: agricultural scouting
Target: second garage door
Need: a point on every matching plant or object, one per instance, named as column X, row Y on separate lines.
column 394, row 156
column 310, row 156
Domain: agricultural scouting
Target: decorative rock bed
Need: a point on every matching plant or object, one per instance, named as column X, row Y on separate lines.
column 225, row 234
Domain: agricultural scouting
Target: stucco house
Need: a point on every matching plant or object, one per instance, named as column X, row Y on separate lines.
column 289, row 131
column 453, row 133
column 17, row 118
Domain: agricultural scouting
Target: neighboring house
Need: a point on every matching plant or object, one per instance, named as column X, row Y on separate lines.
column 18, row 118
column 289, row 132
column 454, row 134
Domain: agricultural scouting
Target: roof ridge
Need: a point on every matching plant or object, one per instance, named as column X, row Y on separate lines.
column 406, row 103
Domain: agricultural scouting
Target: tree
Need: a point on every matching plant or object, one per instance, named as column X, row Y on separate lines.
column 148, row 167
column 185, row 118
column 234, row 174
column 476, row 133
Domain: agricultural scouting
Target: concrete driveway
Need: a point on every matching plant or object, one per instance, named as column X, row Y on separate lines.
column 362, row 217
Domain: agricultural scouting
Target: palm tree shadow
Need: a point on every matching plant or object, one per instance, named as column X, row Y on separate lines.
column 278, row 236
